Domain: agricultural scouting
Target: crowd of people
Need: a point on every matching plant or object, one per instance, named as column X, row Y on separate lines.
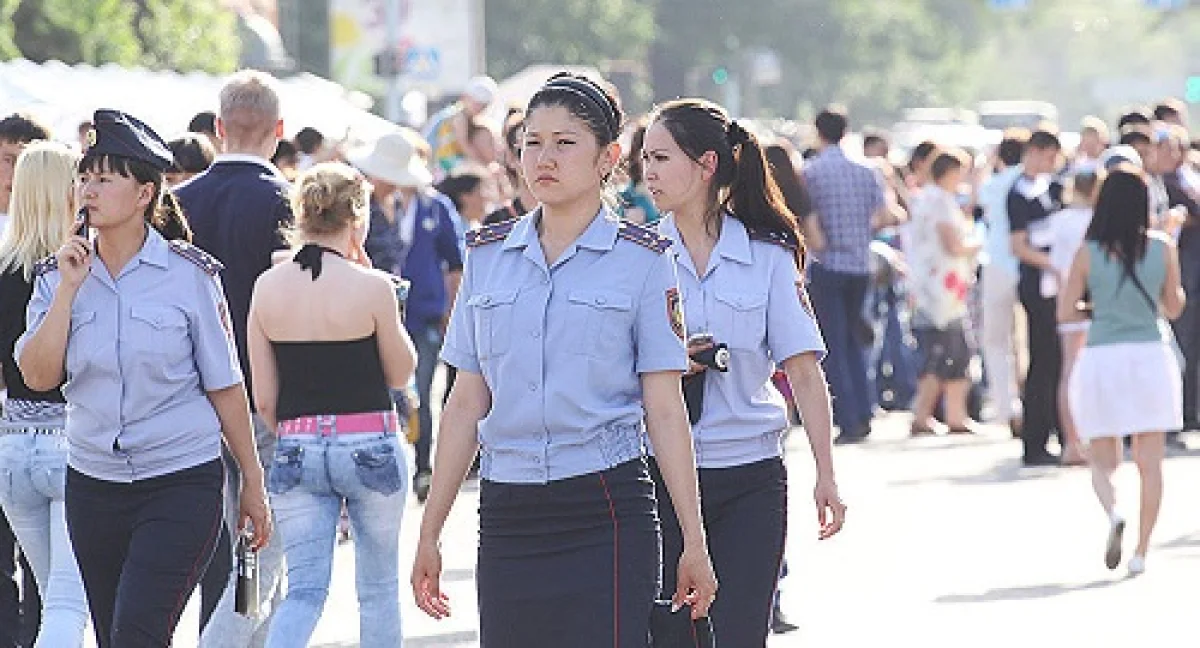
column 224, row 338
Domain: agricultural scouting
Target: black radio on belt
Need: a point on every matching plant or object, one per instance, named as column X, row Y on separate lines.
column 245, row 600
column 714, row 356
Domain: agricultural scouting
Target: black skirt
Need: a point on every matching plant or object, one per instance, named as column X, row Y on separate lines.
column 571, row 563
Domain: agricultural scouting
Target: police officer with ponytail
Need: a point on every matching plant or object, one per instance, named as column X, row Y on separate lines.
column 132, row 322
column 741, row 277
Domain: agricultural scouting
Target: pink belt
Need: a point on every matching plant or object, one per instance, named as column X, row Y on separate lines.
column 338, row 424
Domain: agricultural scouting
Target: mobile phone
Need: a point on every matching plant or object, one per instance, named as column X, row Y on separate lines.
column 83, row 220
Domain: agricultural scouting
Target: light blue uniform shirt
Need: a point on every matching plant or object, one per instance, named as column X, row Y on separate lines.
column 749, row 298
column 993, row 197
column 143, row 350
column 561, row 347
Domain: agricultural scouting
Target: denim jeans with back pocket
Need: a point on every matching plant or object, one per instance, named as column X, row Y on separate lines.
column 309, row 479
column 32, row 481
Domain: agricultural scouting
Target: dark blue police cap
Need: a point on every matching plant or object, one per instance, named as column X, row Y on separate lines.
column 121, row 135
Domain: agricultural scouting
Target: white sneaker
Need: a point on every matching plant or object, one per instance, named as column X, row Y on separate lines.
column 1137, row 565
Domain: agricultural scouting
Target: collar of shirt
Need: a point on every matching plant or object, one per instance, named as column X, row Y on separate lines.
column 600, row 235
column 247, row 159
column 154, row 252
column 733, row 244
column 408, row 221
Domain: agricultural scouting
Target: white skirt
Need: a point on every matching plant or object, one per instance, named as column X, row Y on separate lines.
column 1121, row 389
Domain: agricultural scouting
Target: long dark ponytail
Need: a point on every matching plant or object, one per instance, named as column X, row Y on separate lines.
column 742, row 184
column 1121, row 219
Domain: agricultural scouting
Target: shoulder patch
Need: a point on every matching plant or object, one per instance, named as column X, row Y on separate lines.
column 205, row 261
column 47, row 265
column 490, row 233
column 781, row 239
column 644, row 236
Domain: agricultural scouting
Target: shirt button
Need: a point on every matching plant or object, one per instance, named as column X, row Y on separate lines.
column 532, row 386
column 536, row 334
column 600, row 300
column 486, row 300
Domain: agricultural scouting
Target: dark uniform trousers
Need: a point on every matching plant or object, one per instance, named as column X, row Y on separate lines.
column 142, row 548
column 745, row 519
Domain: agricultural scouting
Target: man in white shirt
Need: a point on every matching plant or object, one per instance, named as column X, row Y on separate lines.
column 999, row 283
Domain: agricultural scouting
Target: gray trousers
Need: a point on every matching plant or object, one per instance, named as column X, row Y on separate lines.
column 226, row 628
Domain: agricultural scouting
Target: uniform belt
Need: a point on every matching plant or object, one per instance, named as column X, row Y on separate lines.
column 338, row 424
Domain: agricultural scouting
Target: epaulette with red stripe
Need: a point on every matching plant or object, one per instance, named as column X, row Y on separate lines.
column 205, row 261
column 782, row 239
column 49, row 264
column 644, row 236
column 490, row 233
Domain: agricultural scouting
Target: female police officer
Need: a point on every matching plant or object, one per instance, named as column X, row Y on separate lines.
column 740, row 261
column 138, row 327
column 567, row 332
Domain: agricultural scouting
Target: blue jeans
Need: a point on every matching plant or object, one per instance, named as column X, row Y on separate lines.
column 32, row 480
column 310, row 478
column 838, row 298
column 428, row 341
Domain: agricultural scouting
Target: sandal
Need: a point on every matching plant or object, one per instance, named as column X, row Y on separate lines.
column 918, row 430
column 967, row 428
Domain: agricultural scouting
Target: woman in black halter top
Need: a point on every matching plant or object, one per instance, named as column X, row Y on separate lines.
column 326, row 344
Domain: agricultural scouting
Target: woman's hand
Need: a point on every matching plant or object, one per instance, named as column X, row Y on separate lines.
column 697, row 582
column 426, row 580
column 74, row 261
column 831, row 512
column 253, row 509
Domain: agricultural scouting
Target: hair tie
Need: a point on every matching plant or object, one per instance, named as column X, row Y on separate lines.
column 736, row 134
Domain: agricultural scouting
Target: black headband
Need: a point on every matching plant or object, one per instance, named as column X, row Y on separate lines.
column 592, row 95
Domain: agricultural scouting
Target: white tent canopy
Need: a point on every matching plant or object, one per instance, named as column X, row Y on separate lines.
column 63, row 96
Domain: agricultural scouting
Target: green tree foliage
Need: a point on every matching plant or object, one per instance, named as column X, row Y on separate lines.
column 570, row 32
column 183, row 35
column 876, row 57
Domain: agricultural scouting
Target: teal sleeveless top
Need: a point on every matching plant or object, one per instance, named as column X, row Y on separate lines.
column 1120, row 312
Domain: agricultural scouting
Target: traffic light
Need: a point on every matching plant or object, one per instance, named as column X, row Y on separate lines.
column 720, row 75
column 1192, row 93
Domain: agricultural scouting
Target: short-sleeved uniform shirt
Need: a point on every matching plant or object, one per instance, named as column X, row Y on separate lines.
column 143, row 350
column 750, row 297
column 562, row 346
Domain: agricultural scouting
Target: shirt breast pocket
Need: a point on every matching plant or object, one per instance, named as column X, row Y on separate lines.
column 743, row 316
column 605, row 318
column 159, row 334
column 493, row 313
column 83, row 341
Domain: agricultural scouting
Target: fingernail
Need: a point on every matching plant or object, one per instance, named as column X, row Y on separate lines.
column 675, row 607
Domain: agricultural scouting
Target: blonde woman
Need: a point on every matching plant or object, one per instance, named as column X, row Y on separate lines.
column 326, row 344
column 33, row 449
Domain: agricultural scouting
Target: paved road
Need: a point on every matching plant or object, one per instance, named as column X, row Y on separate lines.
column 949, row 543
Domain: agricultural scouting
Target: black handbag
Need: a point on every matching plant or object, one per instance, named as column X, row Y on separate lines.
column 678, row 630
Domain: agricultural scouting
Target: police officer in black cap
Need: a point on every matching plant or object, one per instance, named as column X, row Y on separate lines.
column 136, row 323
